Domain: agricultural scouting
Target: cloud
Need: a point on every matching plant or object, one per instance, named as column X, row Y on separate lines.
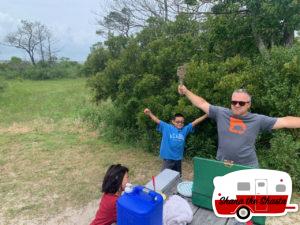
column 7, row 24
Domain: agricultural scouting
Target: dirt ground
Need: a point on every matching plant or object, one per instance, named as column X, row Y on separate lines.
column 84, row 215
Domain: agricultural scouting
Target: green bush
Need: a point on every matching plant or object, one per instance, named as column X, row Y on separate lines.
column 283, row 155
column 96, row 61
column 16, row 68
column 109, row 121
column 3, row 85
column 13, row 68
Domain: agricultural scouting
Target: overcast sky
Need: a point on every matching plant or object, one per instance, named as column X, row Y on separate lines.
column 72, row 22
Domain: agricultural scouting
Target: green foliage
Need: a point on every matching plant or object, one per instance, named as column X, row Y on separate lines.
column 3, row 84
column 191, row 2
column 248, row 26
column 228, row 35
column 110, row 122
column 120, row 21
column 284, row 155
column 274, row 20
column 96, row 60
column 16, row 68
column 115, row 45
column 277, row 90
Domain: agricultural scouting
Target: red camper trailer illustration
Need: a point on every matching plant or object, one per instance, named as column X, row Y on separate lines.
column 253, row 192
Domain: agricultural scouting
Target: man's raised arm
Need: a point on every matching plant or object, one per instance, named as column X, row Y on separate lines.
column 195, row 99
column 287, row 122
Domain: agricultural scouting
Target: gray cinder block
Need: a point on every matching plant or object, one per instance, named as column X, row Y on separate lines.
column 164, row 180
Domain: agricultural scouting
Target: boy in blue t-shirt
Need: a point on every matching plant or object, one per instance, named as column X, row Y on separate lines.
column 173, row 138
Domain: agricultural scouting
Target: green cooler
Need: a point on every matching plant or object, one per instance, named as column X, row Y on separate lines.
column 205, row 170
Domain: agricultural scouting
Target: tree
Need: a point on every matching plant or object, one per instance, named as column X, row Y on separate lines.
column 34, row 38
column 125, row 16
column 96, row 60
column 267, row 22
column 118, row 21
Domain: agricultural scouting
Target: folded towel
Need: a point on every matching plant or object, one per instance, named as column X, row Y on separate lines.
column 177, row 211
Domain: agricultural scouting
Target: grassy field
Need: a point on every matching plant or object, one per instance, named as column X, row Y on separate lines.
column 56, row 100
column 50, row 160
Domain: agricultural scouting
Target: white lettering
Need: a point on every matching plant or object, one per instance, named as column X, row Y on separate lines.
column 177, row 136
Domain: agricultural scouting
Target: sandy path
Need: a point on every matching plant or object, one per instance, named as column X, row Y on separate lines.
column 71, row 216
column 84, row 216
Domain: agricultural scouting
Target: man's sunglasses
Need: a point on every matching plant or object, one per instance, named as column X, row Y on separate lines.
column 241, row 103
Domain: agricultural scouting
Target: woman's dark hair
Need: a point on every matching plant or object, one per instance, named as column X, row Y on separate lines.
column 113, row 178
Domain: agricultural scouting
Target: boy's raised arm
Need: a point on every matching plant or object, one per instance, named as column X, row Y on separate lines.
column 151, row 115
column 199, row 120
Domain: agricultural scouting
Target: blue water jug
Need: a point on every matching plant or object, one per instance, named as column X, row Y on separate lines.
column 141, row 206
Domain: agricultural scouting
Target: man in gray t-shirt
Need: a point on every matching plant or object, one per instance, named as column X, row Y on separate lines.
column 237, row 127
column 237, row 134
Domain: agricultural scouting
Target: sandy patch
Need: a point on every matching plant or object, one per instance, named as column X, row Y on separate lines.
column 71, row 216
column 75, row 216
column 37, row 125
column 16, row 128
column 85, row 215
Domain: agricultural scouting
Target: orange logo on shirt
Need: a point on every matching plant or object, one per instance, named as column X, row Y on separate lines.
column 237, row 126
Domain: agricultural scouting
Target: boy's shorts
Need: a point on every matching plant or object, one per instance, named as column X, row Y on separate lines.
column 172, row 165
